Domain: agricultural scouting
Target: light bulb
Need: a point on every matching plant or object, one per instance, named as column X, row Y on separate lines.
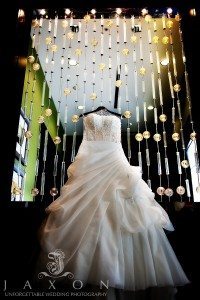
column 21, row 13
column 93, row 11
column 42, row 12
column 169, row 10
column 67, row 11
column 118, row 11
column 144, row 11
column 192, row 12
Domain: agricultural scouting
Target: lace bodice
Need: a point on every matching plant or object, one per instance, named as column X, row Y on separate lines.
column 102, row 127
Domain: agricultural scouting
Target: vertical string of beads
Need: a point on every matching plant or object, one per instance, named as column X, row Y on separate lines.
column 163, row 117
column 157, row 136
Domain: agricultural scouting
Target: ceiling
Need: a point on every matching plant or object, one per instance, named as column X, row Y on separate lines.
column 73, row 76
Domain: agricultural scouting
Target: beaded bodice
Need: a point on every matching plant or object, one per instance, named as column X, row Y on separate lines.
column 99, row 126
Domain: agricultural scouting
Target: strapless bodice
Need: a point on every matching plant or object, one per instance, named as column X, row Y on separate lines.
column 102, row 128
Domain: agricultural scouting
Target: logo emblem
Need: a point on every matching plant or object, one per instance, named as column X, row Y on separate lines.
column 55, row 266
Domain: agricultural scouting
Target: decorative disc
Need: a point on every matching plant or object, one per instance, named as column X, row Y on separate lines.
column 157, row 137
column 57, row 140
column 48, row 40
column 155, row 39
column 169, row 24
column 109, row 23
column 93, row 96
column 148, row 18
column 177, row 87
column 36, row 66
column 28, row 134
column 67, row 91
column 54, row 191
column 70, row 35
column 133, row 38
column 64, row 23
column 54, row 48
column 165, row 40
column 86, row 18
column 142, row 71
column 48, row 112
column 41, row 119
column 139, row 137
column 34, row 192
column 102, row 66
column 75, row 118
column 163, row 118
column 31, row 59
column 160, row 190
column 169, row 192
column 127, row 114
column 118, row 83
column 180, row 190
column 176, row 136
column 125, row 51
column 146, row 134
column 78, row 51
column 185, row 163
column 94, row 42
column 193, row 135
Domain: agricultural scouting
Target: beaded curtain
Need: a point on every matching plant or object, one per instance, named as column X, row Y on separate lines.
column 75, row 65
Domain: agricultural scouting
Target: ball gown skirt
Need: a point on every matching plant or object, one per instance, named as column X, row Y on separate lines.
column 108, row 224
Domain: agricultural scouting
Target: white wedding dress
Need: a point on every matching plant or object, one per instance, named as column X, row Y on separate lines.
column 106, row 220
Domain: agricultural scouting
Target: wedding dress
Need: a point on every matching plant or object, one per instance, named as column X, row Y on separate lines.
column 106, row 220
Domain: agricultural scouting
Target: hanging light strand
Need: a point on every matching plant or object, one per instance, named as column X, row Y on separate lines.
column 36, row 66
column 193, row 133
column 146, row 133
column 94, row 43
column 110, row 66
column 35, row 190
column 25, row 132
column 102, row 63
column 180, row 189
column 118, row 63
column 138, row 136
column 52, row 42
column 163, row 116
column 57, row 139
column 75, row 117
column 125, row 53
column 157, row 135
